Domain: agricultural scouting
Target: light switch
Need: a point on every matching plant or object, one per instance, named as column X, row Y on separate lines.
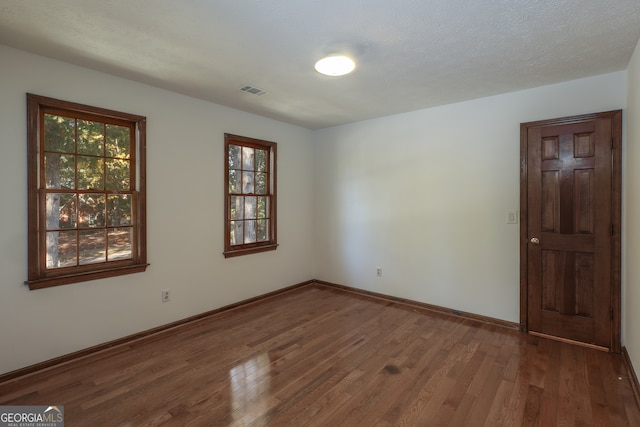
column 512, row 217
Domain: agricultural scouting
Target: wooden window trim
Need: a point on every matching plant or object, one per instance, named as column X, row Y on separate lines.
column 38, row 276
column 251, row 248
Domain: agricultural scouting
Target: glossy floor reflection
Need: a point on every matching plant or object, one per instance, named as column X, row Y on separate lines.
column 250, row 384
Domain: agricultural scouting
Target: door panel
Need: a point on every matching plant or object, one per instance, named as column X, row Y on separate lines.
column 567, row 241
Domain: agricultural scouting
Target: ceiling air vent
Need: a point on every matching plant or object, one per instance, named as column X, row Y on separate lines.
column 252, row 89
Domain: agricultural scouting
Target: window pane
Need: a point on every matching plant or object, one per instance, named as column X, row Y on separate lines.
column 61, row 249
column 235, row 232
column 92, row 246
column 234, row 157
column 249, row 232
column 262, row 230
column 247, row 158
column 91, row 211
column 237, row 207
column 90, row 137
column 118, row 141
column 90, row 173
column 250, row 207
column 59, row 170
column 261, row 160
column 263, row 207
column 234, row 181
column 61, row 211
column 247, row 182
column 119, row 209
column 261, row 183
column 118, row 174
column 120, row 243
column 59, row 133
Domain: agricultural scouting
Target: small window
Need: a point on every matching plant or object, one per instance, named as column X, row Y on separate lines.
column 86, row 201
column 250, row 196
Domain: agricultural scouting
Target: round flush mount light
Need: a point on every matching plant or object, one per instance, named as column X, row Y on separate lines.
column 335, row 65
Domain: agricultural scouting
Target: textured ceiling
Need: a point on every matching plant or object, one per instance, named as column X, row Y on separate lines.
column 410, row 54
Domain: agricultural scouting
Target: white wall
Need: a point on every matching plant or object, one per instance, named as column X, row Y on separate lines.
column 631, row 249
column 185, row 215
column 424, row 195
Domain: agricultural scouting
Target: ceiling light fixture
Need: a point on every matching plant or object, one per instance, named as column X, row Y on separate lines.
column 335, row 65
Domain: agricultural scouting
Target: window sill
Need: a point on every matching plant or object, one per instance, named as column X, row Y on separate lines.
column 252, row 250
column 83, row 277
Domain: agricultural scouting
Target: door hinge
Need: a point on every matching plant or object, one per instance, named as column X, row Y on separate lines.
column 611, row 229
column 611, row 313
column 613, row 144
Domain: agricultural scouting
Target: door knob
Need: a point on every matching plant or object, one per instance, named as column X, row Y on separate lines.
column 535, row 240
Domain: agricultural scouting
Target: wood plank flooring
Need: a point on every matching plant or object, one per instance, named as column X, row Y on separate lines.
column 317, row 356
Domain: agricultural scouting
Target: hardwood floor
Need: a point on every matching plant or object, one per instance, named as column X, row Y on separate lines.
column 317, row 356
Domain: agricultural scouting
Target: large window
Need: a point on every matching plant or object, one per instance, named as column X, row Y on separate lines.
column 250, row 196
column 86, row 202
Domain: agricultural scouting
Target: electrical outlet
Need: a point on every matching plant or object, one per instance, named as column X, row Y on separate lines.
column 165, row 295
column 379, row 271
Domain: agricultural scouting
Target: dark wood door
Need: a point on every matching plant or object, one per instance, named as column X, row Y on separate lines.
column 569, row 236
